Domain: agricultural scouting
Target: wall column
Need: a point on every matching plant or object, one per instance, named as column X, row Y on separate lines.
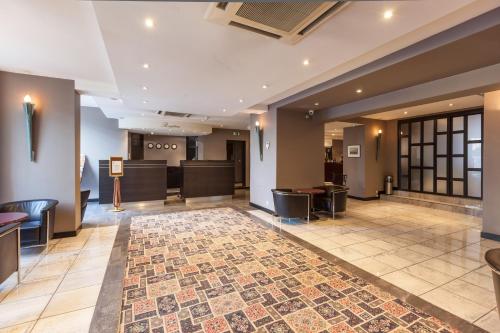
column 491, row 163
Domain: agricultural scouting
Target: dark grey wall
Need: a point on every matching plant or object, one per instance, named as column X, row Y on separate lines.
column 173, row 156
column 55, row 173
column 213, row 146
column 100, row 139
column 338, row 150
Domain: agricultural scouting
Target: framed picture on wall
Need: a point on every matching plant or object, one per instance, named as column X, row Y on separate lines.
column 174, row 146
column 354, row 151
column 151, row 145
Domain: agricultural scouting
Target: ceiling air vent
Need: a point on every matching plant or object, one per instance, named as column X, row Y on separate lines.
column 286, row 21
column 173, row 114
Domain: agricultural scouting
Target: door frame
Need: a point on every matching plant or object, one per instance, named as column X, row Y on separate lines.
column 243, row 159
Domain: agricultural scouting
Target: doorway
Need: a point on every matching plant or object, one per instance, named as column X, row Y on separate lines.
column 236, row 152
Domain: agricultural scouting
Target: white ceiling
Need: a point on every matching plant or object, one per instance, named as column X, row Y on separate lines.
column 197, row 66
column 335, row 131
column 448, row 105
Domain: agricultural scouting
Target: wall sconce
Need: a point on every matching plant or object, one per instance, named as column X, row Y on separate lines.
column 29, row 115
column 260, row 134
column 379, row 137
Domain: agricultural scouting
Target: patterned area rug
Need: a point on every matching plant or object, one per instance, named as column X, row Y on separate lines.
column 216, row 270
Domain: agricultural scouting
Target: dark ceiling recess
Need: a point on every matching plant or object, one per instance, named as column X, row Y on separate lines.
column 472, row 52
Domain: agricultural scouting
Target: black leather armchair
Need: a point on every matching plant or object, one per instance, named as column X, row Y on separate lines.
column 84, row 199
column 291, row 205
column 39, row 227
column 334, row 200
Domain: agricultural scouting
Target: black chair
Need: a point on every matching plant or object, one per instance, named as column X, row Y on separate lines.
column 38, row 229
column 84, row 198
column 334, row 200
column 291, row 205
column 10, row 252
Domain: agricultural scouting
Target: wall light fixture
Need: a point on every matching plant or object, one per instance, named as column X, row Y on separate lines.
column 29, row 115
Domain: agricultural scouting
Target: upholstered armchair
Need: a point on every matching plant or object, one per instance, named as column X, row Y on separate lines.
column 291, row 205
column 39, row 227
column 334, row 200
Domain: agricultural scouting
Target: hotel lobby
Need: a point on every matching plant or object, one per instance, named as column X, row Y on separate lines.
column 249, row 167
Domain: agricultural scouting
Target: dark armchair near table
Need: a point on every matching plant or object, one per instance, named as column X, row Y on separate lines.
column 39, row 227
column 334, row 200
column 288, row 204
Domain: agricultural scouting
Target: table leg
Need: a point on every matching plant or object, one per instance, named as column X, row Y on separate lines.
column 18, row 255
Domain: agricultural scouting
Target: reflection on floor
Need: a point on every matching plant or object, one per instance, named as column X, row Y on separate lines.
column 434, row 254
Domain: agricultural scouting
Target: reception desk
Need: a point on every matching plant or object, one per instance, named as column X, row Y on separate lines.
column 207, row 179
column 143, row 180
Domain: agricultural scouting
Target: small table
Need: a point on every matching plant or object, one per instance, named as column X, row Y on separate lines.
column 14, row 218
column 311, row 192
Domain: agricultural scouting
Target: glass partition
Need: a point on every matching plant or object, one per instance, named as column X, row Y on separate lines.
column 442, row 154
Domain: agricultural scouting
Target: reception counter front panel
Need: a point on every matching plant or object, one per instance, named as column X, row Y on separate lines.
column 142, row 181
column 207, row 178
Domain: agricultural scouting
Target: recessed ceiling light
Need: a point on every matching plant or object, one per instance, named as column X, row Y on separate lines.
column 359, row 91
column 388, row 14
column 316, row 104
column 241, row 100
column 144, row 88
column 149, row 22
column 224, row 110
column 221, row 125
column 152, row 133
column 406, row 112
column 451, row 104
column 142, row 114
column 145, row 65
column 305, row 62
column 264, row 86
column 144, row 102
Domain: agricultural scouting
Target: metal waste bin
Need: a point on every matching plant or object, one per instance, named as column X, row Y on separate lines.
column 388, row 185
column 492, row 258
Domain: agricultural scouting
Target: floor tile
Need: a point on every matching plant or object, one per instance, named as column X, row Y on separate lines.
column 473, row 293
column 428, row 274
column 480, row 280
column 21, row 328
column 72, row 300
column 373, row 266
column 489, row 322
column 346, row 254
column 82, row 279
column 445, row 267
column 455, row 304
column 408, row 282
column 74, row 322
column 32, row 289
column 23, row 311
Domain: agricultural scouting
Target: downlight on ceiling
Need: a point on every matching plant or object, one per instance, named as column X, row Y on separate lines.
column 451, row 104
column 388, row 14
column 144, row 88
column 149, row 23
column 265, row 86
column 305, row 62
column 145, row 66
column 359, row 91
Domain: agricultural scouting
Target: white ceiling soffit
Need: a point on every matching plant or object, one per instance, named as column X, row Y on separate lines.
column 335, row 131
column 57, row 38
column 288, row 22
column 148, row 125
column 199, row 67
column 448, row 105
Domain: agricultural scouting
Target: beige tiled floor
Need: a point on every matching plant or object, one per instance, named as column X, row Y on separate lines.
column 59, row 289
column 434, row 254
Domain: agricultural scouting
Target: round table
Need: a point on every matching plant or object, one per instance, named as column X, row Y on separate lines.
column 311, row 192
column 8, row 218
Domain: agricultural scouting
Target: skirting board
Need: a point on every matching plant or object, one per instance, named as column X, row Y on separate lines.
column 491, row 236
column 261, row 208
column 363, row 199
column 216, row 198
column 65, row 234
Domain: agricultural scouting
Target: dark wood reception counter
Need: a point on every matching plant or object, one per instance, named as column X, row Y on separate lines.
column 143, row 180
column 207, row 179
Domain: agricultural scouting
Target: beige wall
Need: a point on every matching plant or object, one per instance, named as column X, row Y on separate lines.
column 491, row 163
column 55, row 174
column 213, row 146
column 173, row 156
column 365, row 175
column 301, row 151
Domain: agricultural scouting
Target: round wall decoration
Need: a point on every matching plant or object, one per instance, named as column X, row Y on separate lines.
column 174, row 146
column 166, row 146
column 150, row 145
column 158, row 146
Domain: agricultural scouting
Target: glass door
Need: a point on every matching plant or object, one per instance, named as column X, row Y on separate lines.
column 442, row 154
